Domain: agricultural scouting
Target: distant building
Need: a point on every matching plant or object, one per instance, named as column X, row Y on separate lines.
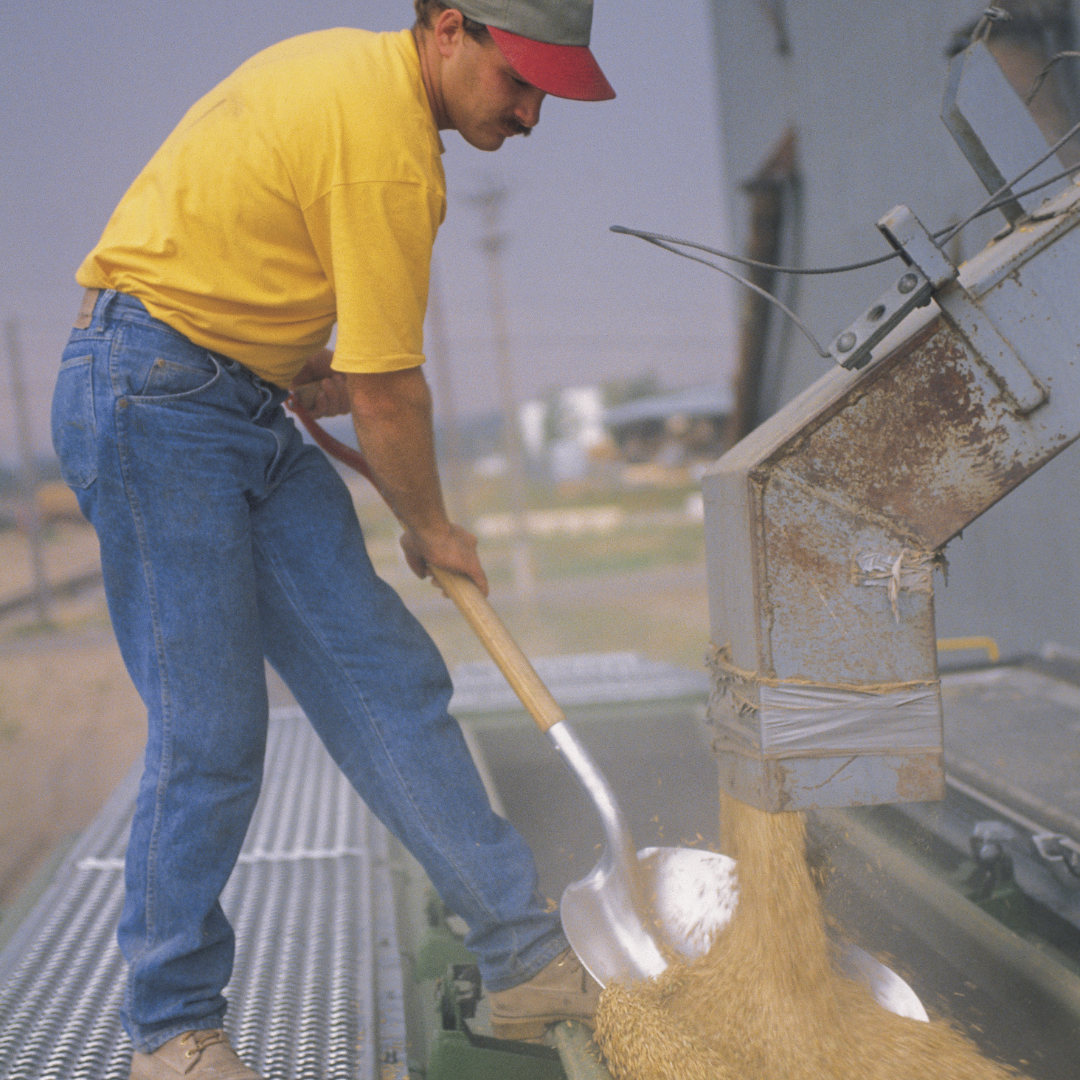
column 673, row 429
column 561, row 432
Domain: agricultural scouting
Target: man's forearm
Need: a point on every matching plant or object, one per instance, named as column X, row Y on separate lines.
column 392, row 415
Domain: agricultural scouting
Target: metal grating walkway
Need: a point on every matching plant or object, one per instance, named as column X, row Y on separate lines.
column 317, row 989
column 579, row 679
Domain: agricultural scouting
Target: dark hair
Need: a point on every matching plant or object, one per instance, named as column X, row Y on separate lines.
column 427, row 11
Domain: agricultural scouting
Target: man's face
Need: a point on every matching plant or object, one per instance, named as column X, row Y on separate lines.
column 483, row 97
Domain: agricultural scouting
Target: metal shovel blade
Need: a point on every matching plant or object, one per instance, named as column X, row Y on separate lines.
column 623, row 915
column 611, row 893
column 691, row 896
column 604, row 914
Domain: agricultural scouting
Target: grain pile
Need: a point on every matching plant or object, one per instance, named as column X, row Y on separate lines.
column 765, row 1002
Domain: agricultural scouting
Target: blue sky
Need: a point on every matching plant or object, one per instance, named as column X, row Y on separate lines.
column 89, row 91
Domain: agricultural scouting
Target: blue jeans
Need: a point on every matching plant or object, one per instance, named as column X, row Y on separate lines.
column 226, row 539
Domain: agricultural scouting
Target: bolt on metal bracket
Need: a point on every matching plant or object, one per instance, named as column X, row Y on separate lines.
column 853, row 347
column 927, row 271
column 931, row 275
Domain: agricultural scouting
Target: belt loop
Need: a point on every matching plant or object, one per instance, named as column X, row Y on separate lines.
column 105, row 302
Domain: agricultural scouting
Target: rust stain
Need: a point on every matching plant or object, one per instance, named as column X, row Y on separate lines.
column 778, row 776
column 927, row 442
column 921, row 779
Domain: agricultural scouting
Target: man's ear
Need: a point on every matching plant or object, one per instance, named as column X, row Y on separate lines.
column 449, row 31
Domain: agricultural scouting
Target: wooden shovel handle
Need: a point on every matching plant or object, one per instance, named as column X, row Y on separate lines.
column 501, row 647
column 479, row 614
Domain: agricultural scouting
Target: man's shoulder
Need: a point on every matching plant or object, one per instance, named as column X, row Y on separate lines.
column 330, row 79
column 323, row 56
column 343, row 106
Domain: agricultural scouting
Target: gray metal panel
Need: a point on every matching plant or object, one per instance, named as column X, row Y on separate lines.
column 1022, row 727
column 990, row 123
column 317, row 989
column 859, row 482
column 863, row 86
column 733, row 572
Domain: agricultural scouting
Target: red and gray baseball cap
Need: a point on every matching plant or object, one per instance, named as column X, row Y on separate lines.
column 546, row 42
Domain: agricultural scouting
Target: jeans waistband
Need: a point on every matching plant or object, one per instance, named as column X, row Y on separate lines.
column 95, row 300
column 99, row 303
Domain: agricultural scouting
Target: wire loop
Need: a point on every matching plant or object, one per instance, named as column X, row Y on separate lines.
column 999, row 198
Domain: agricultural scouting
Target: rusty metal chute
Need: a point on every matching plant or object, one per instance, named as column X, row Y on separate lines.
column 825, row 526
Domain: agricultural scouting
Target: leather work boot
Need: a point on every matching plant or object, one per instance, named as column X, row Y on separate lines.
column 563, row 990
column 195, row 1055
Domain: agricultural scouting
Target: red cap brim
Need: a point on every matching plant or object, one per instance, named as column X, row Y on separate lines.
column 566, row 71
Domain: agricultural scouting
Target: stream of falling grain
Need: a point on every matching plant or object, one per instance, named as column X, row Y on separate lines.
column 765, row 1001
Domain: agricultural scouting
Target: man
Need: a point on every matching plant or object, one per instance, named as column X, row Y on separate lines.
column 303, row 192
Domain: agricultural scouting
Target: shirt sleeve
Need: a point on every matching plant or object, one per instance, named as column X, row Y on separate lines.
column 374, row 240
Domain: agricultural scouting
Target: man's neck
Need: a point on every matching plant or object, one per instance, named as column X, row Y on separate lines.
column 429, row 74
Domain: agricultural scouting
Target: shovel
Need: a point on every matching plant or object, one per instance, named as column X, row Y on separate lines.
column 603, row 915
column 634, row 908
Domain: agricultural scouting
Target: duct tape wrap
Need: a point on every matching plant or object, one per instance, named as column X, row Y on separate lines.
column 818, row 717
column 799, row 717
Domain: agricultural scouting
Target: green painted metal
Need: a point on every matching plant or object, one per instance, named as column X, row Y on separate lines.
column 463, row 1055
column 581, row 1060
column 441, row 946
column 460, row 1053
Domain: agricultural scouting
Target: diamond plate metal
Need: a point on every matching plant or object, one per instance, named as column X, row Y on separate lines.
column 317, row 988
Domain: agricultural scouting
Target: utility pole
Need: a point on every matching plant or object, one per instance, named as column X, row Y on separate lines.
column 27, row 473
column 490, row 203
column 454, row 487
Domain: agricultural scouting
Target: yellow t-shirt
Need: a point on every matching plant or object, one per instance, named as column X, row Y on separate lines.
column 306, row 189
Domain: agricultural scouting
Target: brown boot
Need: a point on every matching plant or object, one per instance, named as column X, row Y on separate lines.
column 195, row 1055
column 563, row 990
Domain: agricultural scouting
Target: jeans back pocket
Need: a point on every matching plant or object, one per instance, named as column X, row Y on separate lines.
column 73, row 423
